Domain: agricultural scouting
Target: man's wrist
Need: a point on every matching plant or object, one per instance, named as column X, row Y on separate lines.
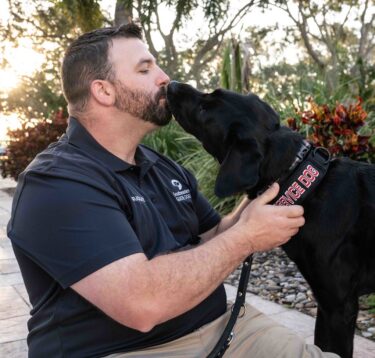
column 238, row 237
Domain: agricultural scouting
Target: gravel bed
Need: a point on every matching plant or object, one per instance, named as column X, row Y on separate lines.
column 276, row 278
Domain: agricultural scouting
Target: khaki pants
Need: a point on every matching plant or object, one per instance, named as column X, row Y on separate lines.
column 255, row 336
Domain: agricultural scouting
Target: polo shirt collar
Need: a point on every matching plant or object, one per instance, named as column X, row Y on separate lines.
column 81, row 138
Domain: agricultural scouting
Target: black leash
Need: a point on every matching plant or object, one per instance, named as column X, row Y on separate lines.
column 226, row 338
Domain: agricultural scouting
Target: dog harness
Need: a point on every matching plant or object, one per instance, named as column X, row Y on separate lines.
column 304, row 175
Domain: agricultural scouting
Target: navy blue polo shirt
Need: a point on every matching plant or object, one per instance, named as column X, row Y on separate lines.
column 78, row 208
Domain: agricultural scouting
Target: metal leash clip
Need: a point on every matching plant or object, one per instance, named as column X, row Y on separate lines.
column 242, row 311
column 324, row 152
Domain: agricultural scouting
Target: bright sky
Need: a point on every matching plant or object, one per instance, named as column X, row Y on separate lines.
column 7, row 122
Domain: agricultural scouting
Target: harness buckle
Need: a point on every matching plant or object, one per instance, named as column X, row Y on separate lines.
column 306, row 146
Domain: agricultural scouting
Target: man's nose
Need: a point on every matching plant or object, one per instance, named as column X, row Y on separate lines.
column 163, row 78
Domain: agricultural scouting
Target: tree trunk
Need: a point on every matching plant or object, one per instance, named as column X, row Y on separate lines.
column 123, row 12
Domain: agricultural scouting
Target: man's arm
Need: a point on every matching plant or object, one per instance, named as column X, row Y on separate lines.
column 142, row 293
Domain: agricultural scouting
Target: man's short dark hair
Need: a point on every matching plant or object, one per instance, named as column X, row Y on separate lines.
column 86, row 60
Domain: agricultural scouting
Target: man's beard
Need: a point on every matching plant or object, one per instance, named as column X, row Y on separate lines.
column 142, row 104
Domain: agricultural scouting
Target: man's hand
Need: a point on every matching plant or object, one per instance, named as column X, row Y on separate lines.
column 268, row 226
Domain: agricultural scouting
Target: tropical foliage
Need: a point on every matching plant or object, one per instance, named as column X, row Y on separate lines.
column 337, row 129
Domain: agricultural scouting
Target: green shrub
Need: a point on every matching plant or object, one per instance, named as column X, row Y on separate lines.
column 370, row 300
column 186, row 150
column 367, row 302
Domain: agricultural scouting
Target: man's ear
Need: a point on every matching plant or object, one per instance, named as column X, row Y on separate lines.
column 103, row 92
column 239, row 170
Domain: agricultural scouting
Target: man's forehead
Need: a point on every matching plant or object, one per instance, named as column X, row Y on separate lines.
column 130, row 50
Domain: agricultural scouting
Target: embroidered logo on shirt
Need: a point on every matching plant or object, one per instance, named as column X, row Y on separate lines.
column 180, row 195
column 176, row 183
column 138, row 198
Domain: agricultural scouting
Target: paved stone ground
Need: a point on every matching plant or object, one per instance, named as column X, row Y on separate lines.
column 15, row 307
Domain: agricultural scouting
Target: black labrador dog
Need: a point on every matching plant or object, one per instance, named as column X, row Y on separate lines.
column 335, row 249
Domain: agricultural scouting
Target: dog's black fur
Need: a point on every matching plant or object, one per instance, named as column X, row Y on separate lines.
column 335, row 249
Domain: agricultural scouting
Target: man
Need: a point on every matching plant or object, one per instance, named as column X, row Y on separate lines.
column 98, row 221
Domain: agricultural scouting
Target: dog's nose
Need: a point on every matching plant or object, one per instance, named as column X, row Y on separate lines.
column 172, row 86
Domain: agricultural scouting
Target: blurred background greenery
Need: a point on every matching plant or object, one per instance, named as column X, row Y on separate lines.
column 303, row 57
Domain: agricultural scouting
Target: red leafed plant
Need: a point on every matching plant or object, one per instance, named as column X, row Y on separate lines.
column 336, row 129
column 26, row 142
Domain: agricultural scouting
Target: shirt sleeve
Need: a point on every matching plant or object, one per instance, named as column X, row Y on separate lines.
column 69, row 228
column 208, row 217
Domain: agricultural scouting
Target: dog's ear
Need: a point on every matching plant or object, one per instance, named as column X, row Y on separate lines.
column 240, row 168
column 265, row 114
